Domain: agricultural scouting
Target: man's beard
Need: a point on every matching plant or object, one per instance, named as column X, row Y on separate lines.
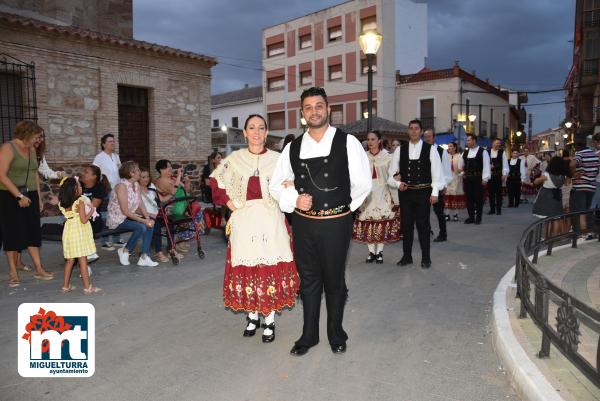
column 322, row 123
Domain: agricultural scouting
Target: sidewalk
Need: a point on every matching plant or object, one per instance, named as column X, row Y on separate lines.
column 517, row 341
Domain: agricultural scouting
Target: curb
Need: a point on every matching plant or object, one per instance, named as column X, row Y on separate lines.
column 525, row 376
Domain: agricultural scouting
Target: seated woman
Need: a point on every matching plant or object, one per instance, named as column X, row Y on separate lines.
column 127, row 211
column 95, row 186
column 167, row 184
column 150, row 199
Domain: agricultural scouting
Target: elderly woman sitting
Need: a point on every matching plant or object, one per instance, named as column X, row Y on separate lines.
column 126, row 211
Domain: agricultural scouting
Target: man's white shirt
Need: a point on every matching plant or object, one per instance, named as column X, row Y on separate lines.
column 359, row 169
column 438, row 180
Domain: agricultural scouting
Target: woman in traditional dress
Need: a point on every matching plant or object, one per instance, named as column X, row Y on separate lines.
column 260, row 272
column 455, row 195
column 377, row 224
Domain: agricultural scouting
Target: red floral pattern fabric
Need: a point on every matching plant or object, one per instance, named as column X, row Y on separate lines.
column 260, row 288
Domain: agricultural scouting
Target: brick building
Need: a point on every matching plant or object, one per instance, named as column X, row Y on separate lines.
column 322, row 49
column 582, row 86
column 75, row 67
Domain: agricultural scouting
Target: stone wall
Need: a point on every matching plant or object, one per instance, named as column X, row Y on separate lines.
column 77, row 84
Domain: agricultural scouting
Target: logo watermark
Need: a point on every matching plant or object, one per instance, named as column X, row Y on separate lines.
column 56, row 340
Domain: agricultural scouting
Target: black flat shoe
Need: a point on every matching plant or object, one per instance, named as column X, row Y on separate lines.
column 455, row 218
column 426, row 265
column 338, row 349
column 299, row 350
column 270, row 337
column 370, row 258
column 405, row 261
column 440, row 238
column 256, row 323
column 469, row 221
column 379, row 259
column 478, row 221
column 491, row 212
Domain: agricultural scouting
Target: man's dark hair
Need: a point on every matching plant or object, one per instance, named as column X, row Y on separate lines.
column 430, row 129
column 496, row 139
column 473, row 136
column 313, row 91
column 416, row 121
column 161, row 165
column 580, row 143
column 104, row 138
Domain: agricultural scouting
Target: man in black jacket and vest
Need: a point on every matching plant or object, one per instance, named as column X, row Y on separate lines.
column 331, row 178
column 498, row 172
column 475, row 165
column 416, row 171
column 438, row 208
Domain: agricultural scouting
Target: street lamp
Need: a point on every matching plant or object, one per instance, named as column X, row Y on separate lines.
column 568, row 124
column 223, row 128
column 518, row 134
column 369, row 42
column 472, row 118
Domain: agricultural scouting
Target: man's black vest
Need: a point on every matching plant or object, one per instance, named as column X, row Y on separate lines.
column 496, row 163
column 418, row 171
column 514, row 172
column 327, row 178
column 474, row 165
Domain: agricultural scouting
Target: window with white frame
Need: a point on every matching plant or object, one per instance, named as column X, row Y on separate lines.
column 275, row 49
column 276, row 83
column 335, row 72
column 306, row 78
column 305, row 41
column 334, row 33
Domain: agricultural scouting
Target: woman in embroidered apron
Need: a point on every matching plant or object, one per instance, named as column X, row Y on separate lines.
column 377, row 223
column 455, row 195
column 260, row 272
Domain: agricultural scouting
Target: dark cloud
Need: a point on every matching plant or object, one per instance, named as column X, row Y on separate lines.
column 521, row 44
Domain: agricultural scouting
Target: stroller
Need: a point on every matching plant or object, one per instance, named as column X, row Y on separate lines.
column 183, row 223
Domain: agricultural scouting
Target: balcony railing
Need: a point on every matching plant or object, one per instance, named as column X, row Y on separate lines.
column 590, row 67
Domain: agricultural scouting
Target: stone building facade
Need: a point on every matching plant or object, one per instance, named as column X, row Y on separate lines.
column 154, row 99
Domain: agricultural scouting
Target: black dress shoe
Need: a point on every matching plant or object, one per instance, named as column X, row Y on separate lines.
column 299, row 350
column 370, row 258
column 379, row 258
column 499, row 212
column 270, row 337
column 492, row 211
column 426, row 265
column 469, row 221
column 256, row 323
column 440, row 238
column 478, row 221
column 338, row 349
column 405, row 261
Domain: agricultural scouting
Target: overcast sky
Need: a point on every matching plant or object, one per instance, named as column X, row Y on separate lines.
column 521, row 44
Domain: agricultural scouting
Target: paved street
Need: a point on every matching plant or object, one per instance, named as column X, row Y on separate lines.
column 163, row 333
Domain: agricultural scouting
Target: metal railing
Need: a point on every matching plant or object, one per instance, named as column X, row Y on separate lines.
column 541, row 298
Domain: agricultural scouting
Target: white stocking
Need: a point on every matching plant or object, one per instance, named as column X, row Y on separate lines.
column 379, row 248
column 270, row 318
column 252, row 316
column 372, row 248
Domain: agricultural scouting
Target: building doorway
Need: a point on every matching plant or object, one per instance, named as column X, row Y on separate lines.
column 134, row 138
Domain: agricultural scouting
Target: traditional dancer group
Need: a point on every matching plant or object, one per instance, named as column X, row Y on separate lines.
column 336, row 192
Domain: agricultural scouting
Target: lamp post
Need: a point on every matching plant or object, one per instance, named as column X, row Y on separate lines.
column 369, row 42
column 472, row 118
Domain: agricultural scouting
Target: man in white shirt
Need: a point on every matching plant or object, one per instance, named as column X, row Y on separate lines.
column 109, row 164
column 438, row 208
column 332, row 178
column 516, row 175
column 475, row 164
column 416, row 171
column 498, row 172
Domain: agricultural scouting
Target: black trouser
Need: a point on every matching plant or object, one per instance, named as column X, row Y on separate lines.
column 415, row 207
column 495, row 193
column 514, row 191
column 320, row 250
column 474, row 195
column 438, row 209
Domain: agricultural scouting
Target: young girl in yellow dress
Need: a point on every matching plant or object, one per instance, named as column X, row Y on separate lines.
column 77, row 239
